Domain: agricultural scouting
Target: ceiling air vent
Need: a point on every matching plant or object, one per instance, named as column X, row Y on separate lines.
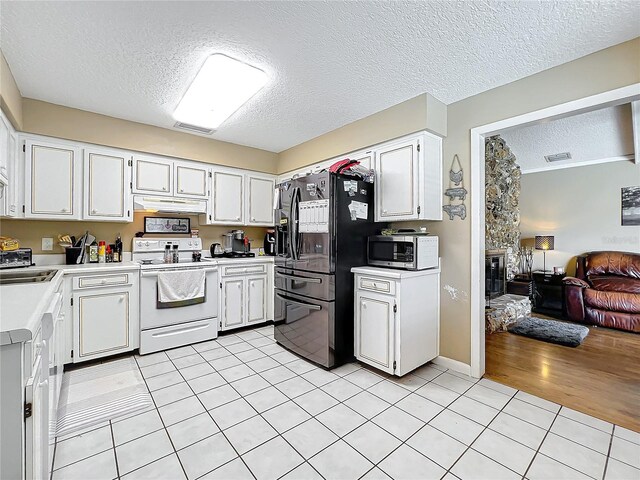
column 558, row 157
column 194, row 128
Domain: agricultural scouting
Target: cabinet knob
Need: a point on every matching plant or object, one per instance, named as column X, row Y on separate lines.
column 121, row 298
column 237, row 218
column 164, row 189
column 63, row 210
column 239, row 285
column 253, row 219
column 182, row 190
column 94, row 211
column 364, row 304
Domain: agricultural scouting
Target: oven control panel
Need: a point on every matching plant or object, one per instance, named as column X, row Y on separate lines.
column 158, row 245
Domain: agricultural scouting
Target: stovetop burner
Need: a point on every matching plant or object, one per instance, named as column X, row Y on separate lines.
column 237, row 255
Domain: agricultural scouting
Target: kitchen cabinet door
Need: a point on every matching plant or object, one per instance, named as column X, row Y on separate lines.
column 152, row 175
column 5, row 130
column 191, row 180
column 365, row 158
column 232, row 311
column 228, row 197
column 101, row 323
column 14, row 190
column 397, row 196
column 256, row 299
column 37, row 424
column 260, row 200
column 52, row 180
column 106, row 184
column 375, row 326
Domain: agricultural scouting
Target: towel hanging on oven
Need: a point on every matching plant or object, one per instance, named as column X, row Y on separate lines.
column 180, row 288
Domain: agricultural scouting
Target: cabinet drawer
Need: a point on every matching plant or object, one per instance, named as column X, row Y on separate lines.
column 101, row 281
column 377, row 285
column 244, row 269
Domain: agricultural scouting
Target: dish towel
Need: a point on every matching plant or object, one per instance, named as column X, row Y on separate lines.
column 181, row 285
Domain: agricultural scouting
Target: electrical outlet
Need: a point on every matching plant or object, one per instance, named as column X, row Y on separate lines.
column 47, row 244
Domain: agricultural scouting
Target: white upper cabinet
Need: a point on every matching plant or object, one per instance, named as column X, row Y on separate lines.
column 11, row 178
column 228, row 197
column 5, row 129
column 397, row 181
column 260, row 191
column 107, row 177
column 365, row 157
column 192, row 179
column 152, row 175
column 408, row 179
column 52, row 186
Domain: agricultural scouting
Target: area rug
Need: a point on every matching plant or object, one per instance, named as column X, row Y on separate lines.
column 552, row 331
column 92, row 395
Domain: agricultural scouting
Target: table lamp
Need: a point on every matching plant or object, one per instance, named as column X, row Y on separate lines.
column 544, row 243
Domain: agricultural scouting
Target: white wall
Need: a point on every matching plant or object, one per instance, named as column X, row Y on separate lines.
column 581, row 207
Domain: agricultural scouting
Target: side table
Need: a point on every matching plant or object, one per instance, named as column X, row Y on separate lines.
column 548, row 293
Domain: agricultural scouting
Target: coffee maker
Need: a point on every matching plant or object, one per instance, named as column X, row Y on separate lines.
column 237, row 241
column 270, row 242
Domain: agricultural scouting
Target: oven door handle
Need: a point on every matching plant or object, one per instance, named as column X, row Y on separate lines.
column 307, row 305
column 302, row 279
column 154, row 273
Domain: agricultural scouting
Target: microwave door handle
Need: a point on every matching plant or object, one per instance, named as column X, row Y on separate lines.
column 306, row 305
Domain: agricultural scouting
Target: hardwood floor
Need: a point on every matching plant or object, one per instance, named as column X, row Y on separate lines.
column 601, row 377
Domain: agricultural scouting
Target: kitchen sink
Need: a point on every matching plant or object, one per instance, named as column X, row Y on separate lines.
column 12, row 278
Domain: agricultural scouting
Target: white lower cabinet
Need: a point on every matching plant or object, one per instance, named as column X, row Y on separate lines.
column 375, row 329
column 105, row 315
column 397, row 318
column 245, row 294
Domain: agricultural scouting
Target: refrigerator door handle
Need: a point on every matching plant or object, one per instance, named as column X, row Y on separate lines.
column 303, row 279
column 294, row 223
column 290, row 226
column 310, row 306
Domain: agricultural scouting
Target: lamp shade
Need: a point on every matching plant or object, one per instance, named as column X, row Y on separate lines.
column 544, row 242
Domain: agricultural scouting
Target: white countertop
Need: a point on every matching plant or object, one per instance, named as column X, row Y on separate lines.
column 22, row 306
column 393, row 272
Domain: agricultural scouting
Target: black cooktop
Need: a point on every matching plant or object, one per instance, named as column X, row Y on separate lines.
column 235, row 255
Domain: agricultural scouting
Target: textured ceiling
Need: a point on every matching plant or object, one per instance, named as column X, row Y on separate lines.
column 329, row 63
column 592, row 136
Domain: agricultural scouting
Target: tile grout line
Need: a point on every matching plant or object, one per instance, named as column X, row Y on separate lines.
column 606, row 461
column 113, row 442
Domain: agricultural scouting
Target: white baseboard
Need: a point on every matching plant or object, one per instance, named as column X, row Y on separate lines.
column 453, row 364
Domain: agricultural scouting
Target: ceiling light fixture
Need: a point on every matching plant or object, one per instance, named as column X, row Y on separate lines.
column 221, row 87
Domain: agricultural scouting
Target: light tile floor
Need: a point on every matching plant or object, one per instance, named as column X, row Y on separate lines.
column 242, row 407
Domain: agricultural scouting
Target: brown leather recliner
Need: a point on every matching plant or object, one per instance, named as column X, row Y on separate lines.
column 605, row 290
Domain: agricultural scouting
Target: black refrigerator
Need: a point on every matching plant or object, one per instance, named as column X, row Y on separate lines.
column 322, row 224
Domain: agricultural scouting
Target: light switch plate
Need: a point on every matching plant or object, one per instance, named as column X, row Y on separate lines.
column 47, row 244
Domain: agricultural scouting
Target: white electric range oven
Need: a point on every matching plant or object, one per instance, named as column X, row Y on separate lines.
column 164, row 326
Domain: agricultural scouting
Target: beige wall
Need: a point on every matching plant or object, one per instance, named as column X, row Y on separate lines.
column 581, row 214
column 10, row 98
column 605, row 70
column 73, row 124
column 423, row 112
column 31, row 232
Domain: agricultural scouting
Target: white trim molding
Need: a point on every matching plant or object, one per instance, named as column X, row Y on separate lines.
column 619, row 96
column 452, row 364
column 562, row 166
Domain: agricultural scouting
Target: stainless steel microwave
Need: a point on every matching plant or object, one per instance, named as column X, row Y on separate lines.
column 409, row 252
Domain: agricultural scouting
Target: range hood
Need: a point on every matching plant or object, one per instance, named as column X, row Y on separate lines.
column 169, row 205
